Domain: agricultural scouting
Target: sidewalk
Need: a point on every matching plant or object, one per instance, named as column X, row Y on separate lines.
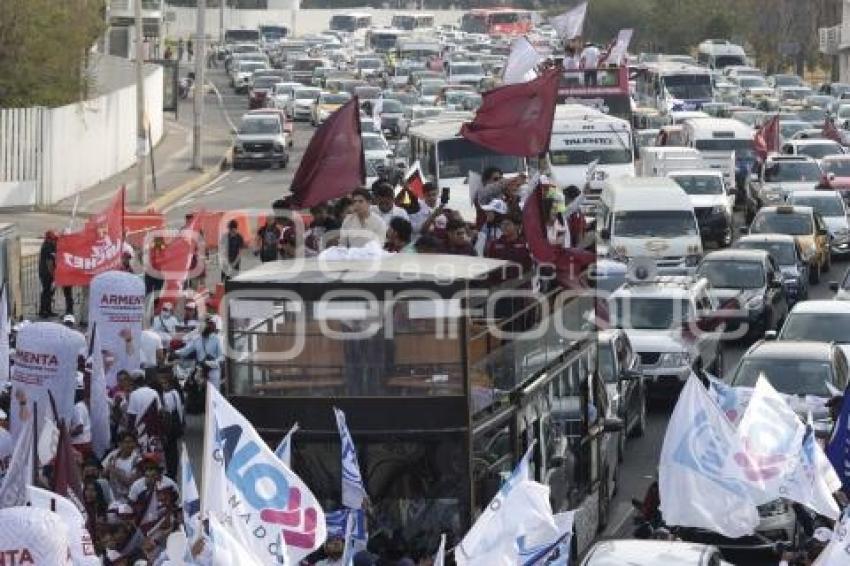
column 172, row 159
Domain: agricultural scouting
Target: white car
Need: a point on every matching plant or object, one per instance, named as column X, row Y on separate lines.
column 833, row 210
column 713, row 202
column 817, row 149
column 282, row 93
column 469, row 73
column 300, row 106
column 376, row 148
column 652, row 553
column 818, row 321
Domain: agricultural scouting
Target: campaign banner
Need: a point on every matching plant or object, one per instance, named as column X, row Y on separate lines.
column 33, row 536
column 116, row 311
column 45, row 360
column 79, row 539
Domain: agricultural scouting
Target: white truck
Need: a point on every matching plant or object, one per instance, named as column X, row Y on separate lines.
column 659, row 161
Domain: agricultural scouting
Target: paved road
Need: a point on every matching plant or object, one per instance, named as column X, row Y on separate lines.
column 245, row 188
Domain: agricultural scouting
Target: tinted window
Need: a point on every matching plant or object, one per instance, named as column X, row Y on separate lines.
column 789, row 376
column 773, row 223
column 820, row 327
column 783, row 253
column 649, row 313
column 825, row 206
column 458, row 157
column 792, row 172
column 733, row 274
column 700, row 184
column 655, row 224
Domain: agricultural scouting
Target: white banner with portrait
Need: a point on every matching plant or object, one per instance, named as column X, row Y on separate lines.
column 116, row 311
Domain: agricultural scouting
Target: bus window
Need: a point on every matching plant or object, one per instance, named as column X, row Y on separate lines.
column 458, row 157
column 492, row 462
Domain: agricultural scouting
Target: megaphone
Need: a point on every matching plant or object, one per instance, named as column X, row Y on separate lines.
column 641, row 270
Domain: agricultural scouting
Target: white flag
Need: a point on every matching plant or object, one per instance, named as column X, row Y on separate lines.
column 772, row 435
column 190, row 497
column 13, row 492
column 5, row 329
column 521, row 62
column 440, row 557
column 813, row 480
column 81, row 545
column 837, row 552
column 353, row 490
column 700, row 479
column 617, row 55
column 570, row 24
column 274, row 512
column 550, row 551
column 101, row 433
column 284, row 449
column 228, row 549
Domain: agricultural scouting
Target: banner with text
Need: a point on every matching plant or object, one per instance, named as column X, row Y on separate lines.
column 33, row 536
column 116, row 310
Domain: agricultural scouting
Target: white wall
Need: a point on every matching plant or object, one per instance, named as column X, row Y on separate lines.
column 88, row 142
column 306, row 22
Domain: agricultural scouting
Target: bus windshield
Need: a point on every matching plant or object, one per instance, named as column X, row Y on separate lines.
column 383, row 40
column 581, row 149
column 271, row 33
column 474, row 23
column 688, row 87
column 741, row 147
column 457, row 157
column 341, row 22
column 241, row 36
column 504, row 18
column 406, row 23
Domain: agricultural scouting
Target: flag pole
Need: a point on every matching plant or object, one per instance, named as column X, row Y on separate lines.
column 35, row 442
column 205, row 462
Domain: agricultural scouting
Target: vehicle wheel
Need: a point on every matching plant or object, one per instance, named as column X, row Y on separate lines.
column 814, row 274
column 604, row 501
column 640, row 427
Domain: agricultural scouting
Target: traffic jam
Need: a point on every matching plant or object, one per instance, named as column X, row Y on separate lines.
column 525, row 299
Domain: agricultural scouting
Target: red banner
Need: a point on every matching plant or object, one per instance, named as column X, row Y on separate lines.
column 97, row 248
column 175, row 261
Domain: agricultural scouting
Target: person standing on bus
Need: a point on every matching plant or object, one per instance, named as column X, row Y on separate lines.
column 363, row 225
column 589, row 62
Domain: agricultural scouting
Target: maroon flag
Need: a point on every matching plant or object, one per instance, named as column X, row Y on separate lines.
column 766, row 139
column 516, row 119
column 333, row 163
column 149, row 429
column 569, row 263
column 830, row 132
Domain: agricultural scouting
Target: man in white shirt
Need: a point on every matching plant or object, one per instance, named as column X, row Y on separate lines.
column 147, row 507
column 208, row 352
column 150, row 349
column 385, row 206
column 427, row 205
column 166, row 322
column 589, row 62
column 81, row 422
column 362, row 225
column 143, row 407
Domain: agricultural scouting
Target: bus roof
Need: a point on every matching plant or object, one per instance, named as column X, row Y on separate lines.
column 707, row 127
column 672, row 68
column 395, row 268
column 438, row 130
column 574, row 113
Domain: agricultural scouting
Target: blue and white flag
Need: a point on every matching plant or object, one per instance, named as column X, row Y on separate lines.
column 701, row 470
column 520, row 510
column 838, row 449
column 552, row 552
column 190, row 498
column 440, row 557
column 837, row 551
column 813, row 480
column 772, row 435
column 732, row 401
column 284, row 449
column 228, row 549
column 353, row 490
column 338, row 520
column 274, row 513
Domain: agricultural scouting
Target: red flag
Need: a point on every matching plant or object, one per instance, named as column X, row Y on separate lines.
column 413, row 181
column 767, row 139
column 569, row 263
column 175, row 261
column 830, row 132
column 516, row 119
column 95, row 249
column 333, row 163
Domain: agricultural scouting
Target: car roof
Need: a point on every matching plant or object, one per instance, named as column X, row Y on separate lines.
column 822, row 307
column 735, row 254
column 791, row 349
column 810, row 141
column 647, row 553
column 794, row 210
column 815, row 194
column 768, row 238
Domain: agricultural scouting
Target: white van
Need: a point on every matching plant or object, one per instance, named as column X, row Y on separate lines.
column 581, row 135
column 720, row 53
column 713, row 202
column 724, row 143
column 657, row 161
column 648, row 217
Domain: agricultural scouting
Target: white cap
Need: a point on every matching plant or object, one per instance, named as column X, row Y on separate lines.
column 69, row 319
column 496, row 205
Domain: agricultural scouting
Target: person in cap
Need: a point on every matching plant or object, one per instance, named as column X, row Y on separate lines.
column 207, row 351
column 46, row 271
column 490, row 230
column 166, row 322
column 81, row 422
column 148, row 509
column 190, row 316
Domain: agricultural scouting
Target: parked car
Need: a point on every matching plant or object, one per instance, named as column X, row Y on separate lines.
column 786, row 251
column 651, row 553
column 747, row 284
column 260, row 140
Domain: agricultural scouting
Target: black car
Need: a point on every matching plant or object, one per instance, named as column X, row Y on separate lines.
column 785, row 250
column 619, row 366
column 748, row 287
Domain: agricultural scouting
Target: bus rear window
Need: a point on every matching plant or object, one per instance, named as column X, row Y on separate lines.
column 458, row 157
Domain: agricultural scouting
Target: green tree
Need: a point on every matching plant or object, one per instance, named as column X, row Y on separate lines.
column 44, row 47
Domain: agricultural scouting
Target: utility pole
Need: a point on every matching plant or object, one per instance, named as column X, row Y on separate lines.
column 141, row 130
column 200, row 67
column 221, row 4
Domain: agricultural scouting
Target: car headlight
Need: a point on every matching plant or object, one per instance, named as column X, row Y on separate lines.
column 755, row 303
column 675, row 359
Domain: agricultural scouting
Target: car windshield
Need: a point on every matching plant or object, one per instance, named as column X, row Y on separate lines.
column 813, row 115
column 605, row 363
column 340, row 98
column 306, row 93
column 369, row 64
column 787, row 80
column 689, row 87
column 264, row 82
column 426, row 113
column 455, row 96
column 844, row 111
column 741, row 147
column 752, row 82
column 367, row 127
column 371, row 143
column 782, row 252
column 431, row 88
column 367, row 92
column 467, row 69
column 820, row 150
column 787, row 375
column 792, row 172
column 391, row 107
column 788, row 129
column 733, row 274
column 819, row 327
column 838, row 167
column 749, row 118
column 260, row 126
column 641, row 313
column 795, row 93
column 457, row 157
column 251, row 66
column 700, row 184
column 824, row 205
column 795, row 224
column 655, row 224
